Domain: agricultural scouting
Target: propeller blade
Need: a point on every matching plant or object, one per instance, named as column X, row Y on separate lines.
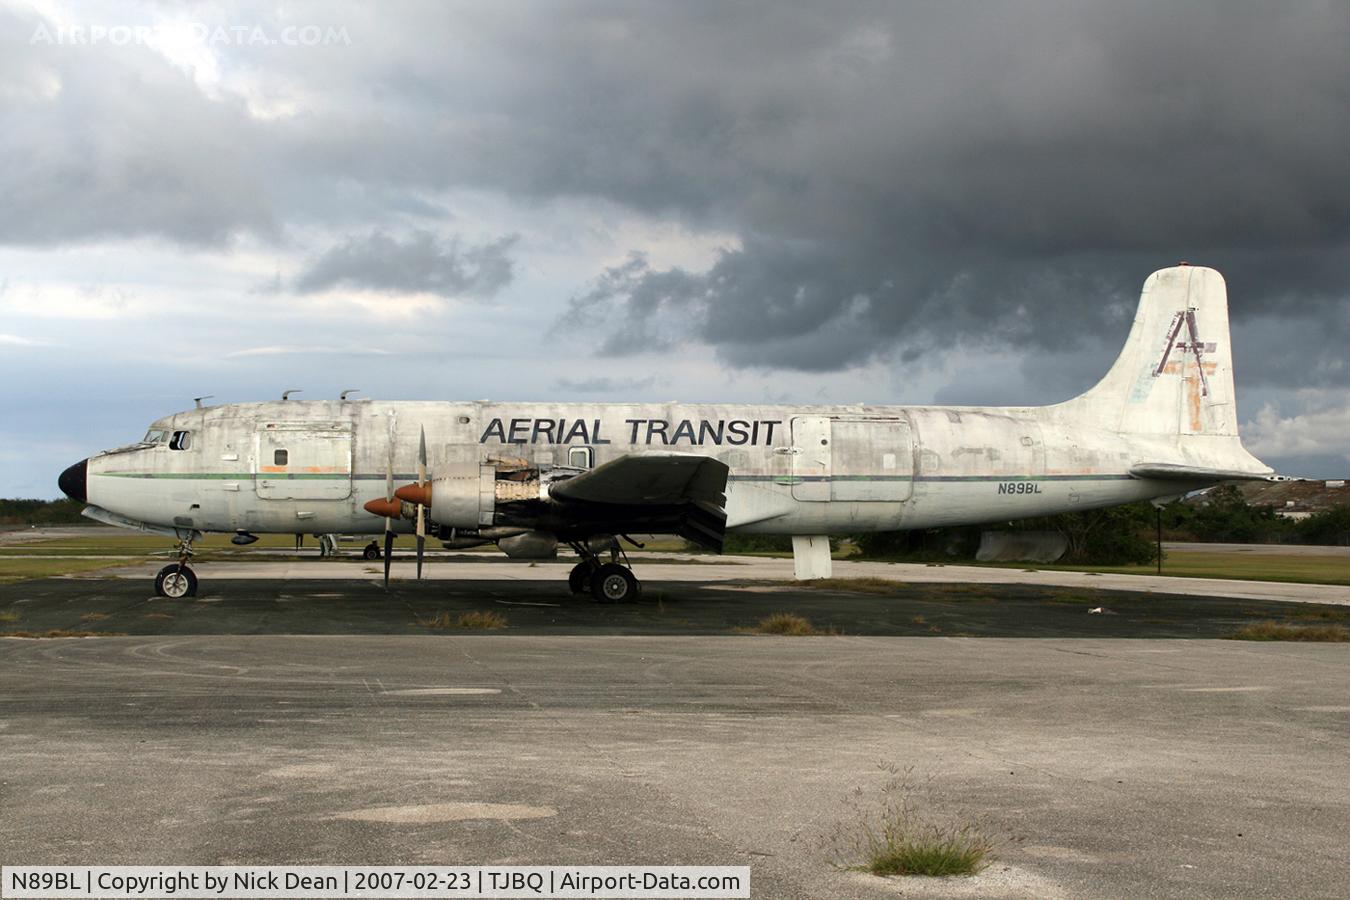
column 388, row 522
column 422, row 458
column 388, row 556
column 421, row 510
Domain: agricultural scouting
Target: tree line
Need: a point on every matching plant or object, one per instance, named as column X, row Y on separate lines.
column 1122, row 535
column 41, row 512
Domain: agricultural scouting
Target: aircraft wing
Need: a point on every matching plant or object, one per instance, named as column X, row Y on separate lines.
column 1174, row 472
column 680, row 492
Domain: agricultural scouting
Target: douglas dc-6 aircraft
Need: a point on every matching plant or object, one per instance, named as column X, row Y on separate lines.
column 529, row 476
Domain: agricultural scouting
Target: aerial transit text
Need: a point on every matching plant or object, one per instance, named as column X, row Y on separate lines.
column 686, row 432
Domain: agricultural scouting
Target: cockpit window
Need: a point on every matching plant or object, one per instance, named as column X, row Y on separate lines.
column 153, row 436
column 181, row 440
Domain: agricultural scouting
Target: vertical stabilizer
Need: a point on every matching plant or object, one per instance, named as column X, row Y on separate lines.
column 1170, row 393
column 1175, row 375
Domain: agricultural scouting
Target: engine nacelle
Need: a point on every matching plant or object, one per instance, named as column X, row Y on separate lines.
column 470, row 495
column 464, row 496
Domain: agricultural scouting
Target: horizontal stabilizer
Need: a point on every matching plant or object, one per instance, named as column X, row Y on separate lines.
column 1174, row 472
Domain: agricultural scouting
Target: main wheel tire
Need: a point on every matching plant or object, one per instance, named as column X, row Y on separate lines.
column 579, row 579
column 372, row 551
column 613, row 583
column 176, row 582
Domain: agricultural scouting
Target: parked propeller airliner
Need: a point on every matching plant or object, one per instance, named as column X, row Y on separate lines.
column 529, row 476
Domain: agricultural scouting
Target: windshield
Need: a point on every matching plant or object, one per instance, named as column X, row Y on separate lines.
column 154, row 436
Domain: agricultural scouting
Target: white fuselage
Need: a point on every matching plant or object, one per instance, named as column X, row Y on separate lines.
column 309, row 467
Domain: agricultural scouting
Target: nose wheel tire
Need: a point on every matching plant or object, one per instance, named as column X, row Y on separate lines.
column 372, row 551
column 176, row 582
column 613, row 583
column 579, row 579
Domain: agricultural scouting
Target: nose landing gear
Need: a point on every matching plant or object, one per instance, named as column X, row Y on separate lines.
column 176, row 580
column 607, row 582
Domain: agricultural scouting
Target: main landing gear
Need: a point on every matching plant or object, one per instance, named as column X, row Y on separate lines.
column 176, row 580
column 607, row 582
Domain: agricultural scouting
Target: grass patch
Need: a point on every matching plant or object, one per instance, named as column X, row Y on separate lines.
column 1331, row 614
column 61, row 633
column 1279, row 631
column 855, row 585
column 933, row 852
column 93, row 617
column 477, row 620
column 1300, row 568
column 785, row 623
column 892, row 834
column 1094, row 599
column 8, row 618
column 27, row 569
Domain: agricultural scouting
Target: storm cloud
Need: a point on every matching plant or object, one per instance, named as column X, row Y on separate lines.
column 939, row 201
column 416, row 264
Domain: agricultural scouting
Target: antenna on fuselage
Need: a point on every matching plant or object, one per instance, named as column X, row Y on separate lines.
column 198, row 400
column 343, row 395
column 286, row 395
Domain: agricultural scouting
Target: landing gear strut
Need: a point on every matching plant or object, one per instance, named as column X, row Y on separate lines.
column 607, row 582
column 176, row 580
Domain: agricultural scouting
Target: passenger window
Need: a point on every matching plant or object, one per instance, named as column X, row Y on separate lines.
column 580, row 457
column 181, row 440
column 280, row 458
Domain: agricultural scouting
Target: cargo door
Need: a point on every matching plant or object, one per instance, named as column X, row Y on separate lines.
column 873, row 460
column 303, row 460
column 812, row 452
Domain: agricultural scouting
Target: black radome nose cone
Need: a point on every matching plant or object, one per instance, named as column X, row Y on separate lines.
column 72, row 481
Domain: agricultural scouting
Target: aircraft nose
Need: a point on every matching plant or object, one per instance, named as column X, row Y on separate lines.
column 72, row 481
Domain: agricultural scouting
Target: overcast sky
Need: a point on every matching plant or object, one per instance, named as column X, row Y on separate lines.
column 886, row 203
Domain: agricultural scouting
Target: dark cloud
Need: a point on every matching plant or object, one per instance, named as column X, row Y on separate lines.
column 814, row 306
column 421, row 262
column 902, row 178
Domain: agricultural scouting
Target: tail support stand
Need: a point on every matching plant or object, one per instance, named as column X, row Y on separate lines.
column 811, row 557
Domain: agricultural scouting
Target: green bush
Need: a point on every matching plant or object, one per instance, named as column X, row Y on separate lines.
column 1330, row 526
column 1225, row 516
column 1106, row 537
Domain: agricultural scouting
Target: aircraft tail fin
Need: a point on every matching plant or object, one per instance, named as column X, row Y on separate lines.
column 1174, row 378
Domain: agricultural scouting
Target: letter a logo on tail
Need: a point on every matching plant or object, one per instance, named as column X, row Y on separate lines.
column 1194, row 346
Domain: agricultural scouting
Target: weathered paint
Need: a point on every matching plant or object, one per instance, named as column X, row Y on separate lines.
column 808, row 470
